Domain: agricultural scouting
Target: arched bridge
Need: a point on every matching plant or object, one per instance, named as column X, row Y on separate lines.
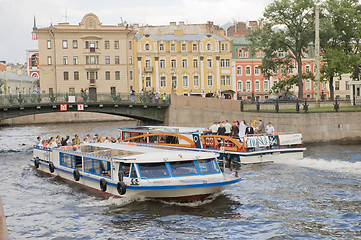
column 142, row 107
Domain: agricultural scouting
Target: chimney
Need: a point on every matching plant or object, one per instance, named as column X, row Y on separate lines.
column 181, row 24
column 173, row 24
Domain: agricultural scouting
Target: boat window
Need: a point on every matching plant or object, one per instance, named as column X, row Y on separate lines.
column 134, row 173
column 183, row 168
column 207, row 166
column 98, row 167
column 124, row 169
column 171, row 140
column 67, row 160
column 153, row 170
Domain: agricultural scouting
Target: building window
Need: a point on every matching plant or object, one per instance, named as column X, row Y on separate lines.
column 75, row 60
column 106, row 44
column 347, row 85
column 224, row 47
column 75, row 44
column 107, row 75
column 147, row 63
column 184, row 63
column 209, row 63
column 195, row 47
column 256, row 70
column 76, row 75
column 34, row 61
column 239, row 71
column 163, row 82
column 308, row 84
column 281, row 54
column 130, row 44
column 265, row 85
column 210, row 80
column 185, row 81
column 275, row 70
column 308, row 68
column 49, row 60
column 116, row 44
column 117, row 75
column 228, row 80
column 248, row 86
column 173, row 63
column 209, row 47
column 239, row 86
column 147, row 46
column 161, row 47
column 72, row 91
column 65, row 60
column 184, row 47
column 223, row 80
column 290, row 69
column 283, row 70
column 66, row 75
column 49, row 44
column 337, row 85
column 245, row 54
column 65, row 44
column 196, row 81
column 148, row 82
column 256, row 86
column 107, row 60
column 195, row 63
column 174, row 82
column 248, row 70
column 130, row 75
column 172, row 47
column 116, row 60
column 225, row 63
column 162, row 63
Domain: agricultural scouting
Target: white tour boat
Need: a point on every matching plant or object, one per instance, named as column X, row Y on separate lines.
column 127, row 170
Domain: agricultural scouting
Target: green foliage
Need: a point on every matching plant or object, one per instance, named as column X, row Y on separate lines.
column 287, row 26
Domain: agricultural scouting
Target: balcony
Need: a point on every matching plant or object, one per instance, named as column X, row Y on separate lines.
column 148, row 69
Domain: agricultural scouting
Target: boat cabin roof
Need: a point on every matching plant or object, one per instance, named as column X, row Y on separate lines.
column 133, row 153
column 163, row 129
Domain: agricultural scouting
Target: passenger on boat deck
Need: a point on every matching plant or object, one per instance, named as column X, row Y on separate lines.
column 58, row 140
column 64, row 141
column 228, row 127
column 52, row 143
column 234, row 130
column 89, row 138
column 77, row 139
column 113, row 140
column 38, row 141
column 85, row 141
column 73, row 142
column 221, row 130
column 119, row 140
column 270, row 129
column 106, row 140
column 44, row 143
column 214, row 128
column 261, row 128
column 249, row 129
column 242, row 129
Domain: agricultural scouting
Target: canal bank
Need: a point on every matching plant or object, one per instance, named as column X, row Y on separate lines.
column 340, row 127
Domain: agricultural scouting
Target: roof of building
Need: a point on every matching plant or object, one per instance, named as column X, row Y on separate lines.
column 13, row 76
column 185, row 37
column 240, row 40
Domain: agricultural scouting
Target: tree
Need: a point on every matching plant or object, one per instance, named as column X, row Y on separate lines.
column 286, row 26
column 341, row 40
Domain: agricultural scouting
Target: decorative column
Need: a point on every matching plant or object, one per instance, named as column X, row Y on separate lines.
column 157, row 89
column 218, row 76
column 140, row 85
column 202, row 75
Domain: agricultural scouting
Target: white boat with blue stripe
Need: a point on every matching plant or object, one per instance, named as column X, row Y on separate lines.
column 127, row 170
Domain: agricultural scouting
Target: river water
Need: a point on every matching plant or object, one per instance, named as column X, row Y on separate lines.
column 317, row 197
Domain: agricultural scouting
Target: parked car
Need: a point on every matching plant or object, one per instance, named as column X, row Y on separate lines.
column 280, row 98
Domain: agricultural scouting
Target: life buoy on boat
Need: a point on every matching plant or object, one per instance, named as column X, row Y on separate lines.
column 121, row 188
column 76, row 175
column 36, row 162
column 51, row 167
column 103, row 184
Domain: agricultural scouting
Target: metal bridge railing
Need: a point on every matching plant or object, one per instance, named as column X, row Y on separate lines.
column 56, row 98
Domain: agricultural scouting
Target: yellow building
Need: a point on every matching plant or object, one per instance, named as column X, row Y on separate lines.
column 186, row 64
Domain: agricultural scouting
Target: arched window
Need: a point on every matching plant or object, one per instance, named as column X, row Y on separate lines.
column 34, row 61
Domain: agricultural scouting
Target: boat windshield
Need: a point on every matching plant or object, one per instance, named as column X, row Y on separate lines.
column 183, row 168
column 153, row 170
column 208, row 166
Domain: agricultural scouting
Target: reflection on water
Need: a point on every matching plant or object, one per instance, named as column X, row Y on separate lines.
column 317, row 197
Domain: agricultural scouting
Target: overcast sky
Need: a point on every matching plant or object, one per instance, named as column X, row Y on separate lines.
column 16, row 16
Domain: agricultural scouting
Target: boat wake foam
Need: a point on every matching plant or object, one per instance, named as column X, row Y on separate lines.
column 326, row 165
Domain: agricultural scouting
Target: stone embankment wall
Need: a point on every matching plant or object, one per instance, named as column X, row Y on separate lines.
column 63, row 117
column 315, row 127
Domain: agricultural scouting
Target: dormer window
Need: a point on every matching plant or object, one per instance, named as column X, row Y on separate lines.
column 147, row 46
